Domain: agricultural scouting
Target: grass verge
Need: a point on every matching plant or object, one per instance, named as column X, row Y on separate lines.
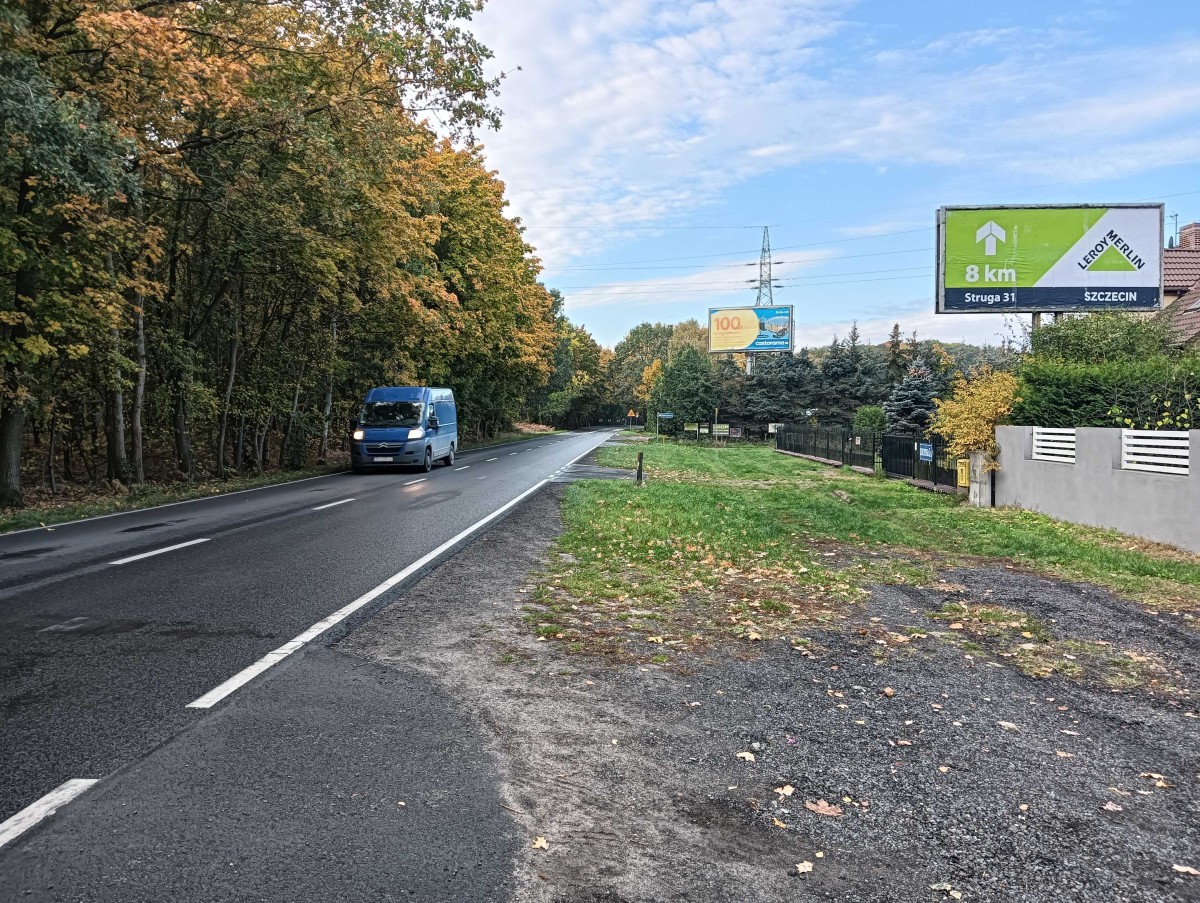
column 738, row 545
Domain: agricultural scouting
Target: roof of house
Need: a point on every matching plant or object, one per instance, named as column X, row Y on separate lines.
column 1184, row 318
column 1181, row 269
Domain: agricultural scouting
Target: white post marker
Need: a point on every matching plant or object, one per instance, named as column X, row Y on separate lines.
column 43, row 808
column 182, row 545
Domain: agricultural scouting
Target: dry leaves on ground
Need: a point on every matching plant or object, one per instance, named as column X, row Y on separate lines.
column 541, row 844
column 748, row 756
column 803, row 868
column 822, row 808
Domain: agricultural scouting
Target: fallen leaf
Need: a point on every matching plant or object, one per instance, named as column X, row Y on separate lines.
column 956, row 894
column 1113, row 807
column 803, row 868
column 822, row 808
column 654, row 639
column 778, row 823
column 748, row 756
column 889, row 692
column 541, row 844
column 753, row 636
column 957, row 625
column 1064, row 755
column 943, row 768
column 785, row 790
column 401, row 803
column 820, row 854
column 1024, row 807
column 904, row 743
column 1185, row 870
column 1008, row 725
column 941, row 885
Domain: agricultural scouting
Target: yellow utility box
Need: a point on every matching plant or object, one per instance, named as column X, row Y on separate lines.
column 964, row 472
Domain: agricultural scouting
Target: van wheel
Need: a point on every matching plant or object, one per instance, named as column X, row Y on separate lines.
column 427, row 465
column 449, row 459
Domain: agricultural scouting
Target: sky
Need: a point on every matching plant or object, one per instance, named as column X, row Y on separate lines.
column 646, row 143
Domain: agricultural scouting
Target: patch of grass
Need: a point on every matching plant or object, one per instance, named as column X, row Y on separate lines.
column 901, row 517
column 149, row 496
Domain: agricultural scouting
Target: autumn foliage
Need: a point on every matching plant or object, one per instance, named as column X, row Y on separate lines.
column 221, row 222
column 976, row 406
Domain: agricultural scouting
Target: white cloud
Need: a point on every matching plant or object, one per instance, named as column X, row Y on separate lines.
column 978, row 329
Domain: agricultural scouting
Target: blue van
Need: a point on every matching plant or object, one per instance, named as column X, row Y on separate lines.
column 411, row 425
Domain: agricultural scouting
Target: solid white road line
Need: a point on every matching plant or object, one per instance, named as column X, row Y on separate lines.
column 182, row 545
column 415, row 482
column 215, row 695
column 332, row 504
column 43, row 808
column 464, row 467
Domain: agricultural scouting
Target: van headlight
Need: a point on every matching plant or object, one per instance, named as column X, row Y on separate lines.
column 358, row 434
column 418, row 433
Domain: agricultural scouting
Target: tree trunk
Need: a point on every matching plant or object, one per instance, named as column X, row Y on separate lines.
column 12, row 427
column 233, row 360
column 114, row 421
column 240, row 453
column 328, row 411
column 50, row 453
column 183, row 434
column 139, row 397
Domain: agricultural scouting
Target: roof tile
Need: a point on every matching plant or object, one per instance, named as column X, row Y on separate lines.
column 1181, row 269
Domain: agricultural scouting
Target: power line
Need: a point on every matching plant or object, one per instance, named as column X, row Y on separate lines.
column 776, row 280
column 726, row 291
column 724, row 266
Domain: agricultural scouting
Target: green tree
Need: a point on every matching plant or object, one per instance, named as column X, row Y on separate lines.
column 911, row 405
column 687, row 388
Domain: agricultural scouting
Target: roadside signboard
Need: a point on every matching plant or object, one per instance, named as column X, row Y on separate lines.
column 720, row 429
column 666, row 415
column 691, row 427
column 750, row 329
column 773, row 428
column 1033, row 259
column 925, row 451
column 704, row 429
column 735, row 432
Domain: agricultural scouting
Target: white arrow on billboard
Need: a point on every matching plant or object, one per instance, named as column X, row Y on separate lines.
column 988, row 233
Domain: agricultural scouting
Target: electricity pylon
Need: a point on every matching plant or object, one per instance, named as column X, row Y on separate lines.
column 766, row 297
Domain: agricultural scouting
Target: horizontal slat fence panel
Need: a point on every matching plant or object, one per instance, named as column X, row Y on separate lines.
column 1156, row 451
column 1054, row 444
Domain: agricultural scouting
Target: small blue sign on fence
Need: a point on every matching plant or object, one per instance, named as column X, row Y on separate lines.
column 666, row 415
column 925, row 451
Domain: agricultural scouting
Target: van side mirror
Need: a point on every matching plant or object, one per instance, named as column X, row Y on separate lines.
column 353, row 423
column 432, row 422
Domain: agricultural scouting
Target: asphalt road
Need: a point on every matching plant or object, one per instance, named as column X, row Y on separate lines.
column 290, row 786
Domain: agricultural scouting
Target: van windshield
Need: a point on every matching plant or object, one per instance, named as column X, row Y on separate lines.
column 391, row 413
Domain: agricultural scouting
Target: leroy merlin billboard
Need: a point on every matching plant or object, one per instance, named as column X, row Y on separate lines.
column 750, row 329
column 1040, row 259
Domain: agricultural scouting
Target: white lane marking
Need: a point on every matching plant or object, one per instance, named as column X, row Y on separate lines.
column 332, row 504
column 493, row 459
column 206, row 498
column 43, row 808
column 510, row 454
column 215, row 695
column 182, row 545
column 415, row 482
column 464, row 467
column 66, row 626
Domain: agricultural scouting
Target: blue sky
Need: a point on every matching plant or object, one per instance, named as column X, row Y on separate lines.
column 646, row 142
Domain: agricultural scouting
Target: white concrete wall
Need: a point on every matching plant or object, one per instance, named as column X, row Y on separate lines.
column 1096, row 491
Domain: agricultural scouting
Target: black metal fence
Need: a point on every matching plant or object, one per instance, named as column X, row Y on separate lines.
column 899, row 456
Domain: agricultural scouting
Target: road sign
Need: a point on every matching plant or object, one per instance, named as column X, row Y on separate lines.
column 750, row 329
column 720, row 429
column 1049, row 258
column 632, row 413
column 666, row 415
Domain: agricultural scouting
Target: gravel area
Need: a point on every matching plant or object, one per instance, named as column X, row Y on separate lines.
column 865, row 770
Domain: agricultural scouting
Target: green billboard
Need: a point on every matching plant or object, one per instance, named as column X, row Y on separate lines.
column 1049, row 258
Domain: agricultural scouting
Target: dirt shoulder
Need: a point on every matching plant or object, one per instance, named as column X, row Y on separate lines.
column 971, row 780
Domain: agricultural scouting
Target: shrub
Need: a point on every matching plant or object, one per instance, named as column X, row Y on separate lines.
column 976, row 406
column 870, row 418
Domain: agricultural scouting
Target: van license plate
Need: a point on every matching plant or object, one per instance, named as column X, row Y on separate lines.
column 382, row 460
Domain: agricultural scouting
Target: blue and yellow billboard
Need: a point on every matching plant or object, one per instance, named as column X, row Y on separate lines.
column 750, row 329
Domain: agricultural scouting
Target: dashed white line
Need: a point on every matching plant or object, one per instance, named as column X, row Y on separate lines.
column 43, row 808
column 464, row 467
column 182, row 545
column 215, row 695
column 510, row 454
column 415, row 482
column 493, row 459
column 332, row 504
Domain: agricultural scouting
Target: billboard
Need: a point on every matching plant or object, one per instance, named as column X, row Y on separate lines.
column 1049, row 258
column 750, row 329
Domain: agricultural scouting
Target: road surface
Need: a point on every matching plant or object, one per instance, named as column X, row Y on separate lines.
column 178, row 658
